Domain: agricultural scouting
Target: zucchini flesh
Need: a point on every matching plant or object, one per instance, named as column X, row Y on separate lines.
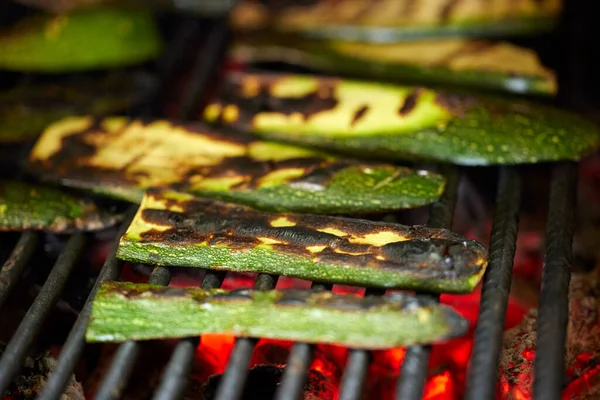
column 126, row 311
column 28, row 109
column 477, row 64
column 395, row 21
column 177, row 229
column 402, row 122
column 122, row 157
column 26, row 206
column 89, row 39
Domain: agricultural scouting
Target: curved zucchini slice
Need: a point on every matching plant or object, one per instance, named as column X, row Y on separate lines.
column 175, row 229
column 25, row 206
column 91, row 39
column 401, row 122
column 28, row 109
column 126, row 311
column 122, row 157
column 475, row 64
column 394, row 21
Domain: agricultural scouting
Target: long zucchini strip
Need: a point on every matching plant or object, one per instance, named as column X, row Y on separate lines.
column 400, row 20
column 476, row 64
column 401, row 122
column 126, row 311
column 177, row 229
column 122, row 158
column 26, row 206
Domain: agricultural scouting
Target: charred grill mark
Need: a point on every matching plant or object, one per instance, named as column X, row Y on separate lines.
column 358, row 114
column 322, row 99
column 410, row 102
column 456, row 104
column 470, row 47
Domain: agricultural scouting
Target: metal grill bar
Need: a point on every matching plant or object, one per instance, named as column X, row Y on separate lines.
column 75, row 342
column 549, row 365
column 115, row 380
column 485, row 356
column 356, row 369
column 353, row 381
column 232, row 384
column 13, row 267
column 414, row 369
column 16, row 351
column 291, row 387
column 174, row 379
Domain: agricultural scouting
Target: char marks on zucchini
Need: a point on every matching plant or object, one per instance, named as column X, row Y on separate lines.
column 180, row 230
column 123, row 157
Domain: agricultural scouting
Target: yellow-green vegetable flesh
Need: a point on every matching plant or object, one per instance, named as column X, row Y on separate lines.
column 123, row 157
column 475, row 64
column 126, row 311
column 394, row 21
column 177, row 229
column 401, row 122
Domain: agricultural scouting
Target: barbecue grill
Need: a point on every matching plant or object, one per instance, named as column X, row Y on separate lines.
column 482, row 377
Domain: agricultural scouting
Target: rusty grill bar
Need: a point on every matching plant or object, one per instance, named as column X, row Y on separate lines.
column 481, row 382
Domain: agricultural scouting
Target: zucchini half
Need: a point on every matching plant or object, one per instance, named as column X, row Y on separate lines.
column 476, row 64
column 387, row 21
column 121, row 157
column 25, row 206
column 401, row 122
column 126, row 311
column 84, row 40
column 180, row 230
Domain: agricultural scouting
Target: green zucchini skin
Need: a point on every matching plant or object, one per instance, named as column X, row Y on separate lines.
column 91, row 39
column 176, row 229
column 326, row 57
column 28, row 109
column 126, row 311
column 124, row 157
column 26, row 206
column 402, row 122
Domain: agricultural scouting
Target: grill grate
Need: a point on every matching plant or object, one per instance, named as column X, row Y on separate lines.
column 549, row 365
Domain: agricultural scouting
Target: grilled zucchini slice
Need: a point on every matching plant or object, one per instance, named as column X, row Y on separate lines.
column 399, row 20
column 121, row 157
column 98, row 38
column 126, row 311
column 401, row 122
column 177, row 229
column 25, row 206
column 476, row 64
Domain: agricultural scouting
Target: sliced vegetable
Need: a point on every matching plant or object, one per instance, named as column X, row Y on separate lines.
column 393, row 20
column 28, row 109
column 470, row 63
column 26, row 206
column 401, row 122
column 125, row 311
column 123, row 157
column 176, row 229
column 91, row 39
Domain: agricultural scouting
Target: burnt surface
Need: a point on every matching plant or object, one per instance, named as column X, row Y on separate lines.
column 254, row 94
column 324, row 239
